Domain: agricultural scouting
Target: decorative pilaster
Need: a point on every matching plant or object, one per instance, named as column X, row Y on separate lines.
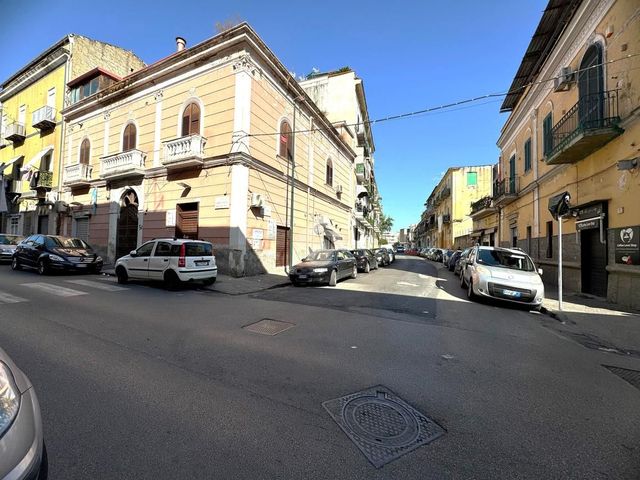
column 157, row 161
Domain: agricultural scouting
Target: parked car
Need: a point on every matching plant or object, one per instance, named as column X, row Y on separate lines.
column 324, row 266
column 24, row 455
column 382, row 256
column 460, row 263
column 170, row 260
column 365, row 259
column 504, row 274
column 400, row 249
column 391, row 252
column 453, row 259
column 49, row 253
column 8, row 245
column 446, row 255
column 436, row 255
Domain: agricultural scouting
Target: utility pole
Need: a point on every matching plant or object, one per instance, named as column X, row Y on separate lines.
column 560, row 262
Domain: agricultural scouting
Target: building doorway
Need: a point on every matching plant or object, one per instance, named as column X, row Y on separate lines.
column 127, row 232
column 594, row 263
column 187, row 220
column 43, row 224
column 282, row 246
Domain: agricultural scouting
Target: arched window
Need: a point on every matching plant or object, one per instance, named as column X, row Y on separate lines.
column 191, row 120
column 285, row 150
column 85, row 152
column 129, row 138
column 329, row 173
column 591, row 88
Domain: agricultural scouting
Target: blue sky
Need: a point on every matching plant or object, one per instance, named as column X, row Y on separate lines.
column 411, row 55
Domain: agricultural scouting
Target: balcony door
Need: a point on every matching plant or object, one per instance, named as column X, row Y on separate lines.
column 512, row 175
column 591, row 88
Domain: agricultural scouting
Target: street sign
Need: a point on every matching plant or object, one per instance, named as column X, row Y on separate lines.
column 627, row 245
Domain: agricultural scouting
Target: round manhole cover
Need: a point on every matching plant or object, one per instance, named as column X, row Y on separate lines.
column 381, row 421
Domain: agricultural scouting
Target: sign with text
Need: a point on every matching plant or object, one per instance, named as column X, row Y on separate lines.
column 170, row 218
column 222, row 202
column 627, row 245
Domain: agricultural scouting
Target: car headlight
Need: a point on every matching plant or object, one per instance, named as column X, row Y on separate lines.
column 320, row 270
column 9, row 398
column 56, row 258
column 4, row 250
column 98, row 258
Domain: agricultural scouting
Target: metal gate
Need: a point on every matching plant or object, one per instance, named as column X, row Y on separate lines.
column 127, row 233
column 282, row 247
column 82, row 228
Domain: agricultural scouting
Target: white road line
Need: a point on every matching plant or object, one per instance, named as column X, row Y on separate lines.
column 98, row 285
column 8, row 298
column 54, row 289
column 407, row 284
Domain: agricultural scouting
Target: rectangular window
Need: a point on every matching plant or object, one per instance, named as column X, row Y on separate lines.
column 22, row 113
column 529, row 240
column 472, row 179
column 51, row 97
column 14, row 225
column 547, row 139
column 527, row 155
column 514, row 236
column 549, row 239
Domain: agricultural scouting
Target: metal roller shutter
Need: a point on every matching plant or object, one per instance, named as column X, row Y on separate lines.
column 82, row 229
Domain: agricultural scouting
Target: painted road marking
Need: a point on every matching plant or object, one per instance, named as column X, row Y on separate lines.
column 8, row 298
column 407, row 284
column 98, row 285
column 54, row 289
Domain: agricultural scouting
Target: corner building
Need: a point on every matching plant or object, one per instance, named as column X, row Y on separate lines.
column 574, row 126
column 217, row 142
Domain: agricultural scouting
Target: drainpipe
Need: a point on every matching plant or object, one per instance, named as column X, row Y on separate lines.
column 62, row 132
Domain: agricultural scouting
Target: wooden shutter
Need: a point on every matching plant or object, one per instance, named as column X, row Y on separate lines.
column 546, row 135
column 187, row 221
column 129, row 138
column 191, row 120
column 285, row 140
column 85, row 148
column 282, row 247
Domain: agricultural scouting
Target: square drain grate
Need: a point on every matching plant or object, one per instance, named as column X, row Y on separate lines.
column 382, row 425
column 267, row 326
column 631, row 376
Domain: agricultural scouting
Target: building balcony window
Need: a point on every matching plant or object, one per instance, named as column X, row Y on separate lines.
column 506, row 191
column 124, row 164
column 44, row 118
column 77, row 175
column 41, row 180
column 482, row 208
column 184, row 152
column 586, row 127
column 15, row 132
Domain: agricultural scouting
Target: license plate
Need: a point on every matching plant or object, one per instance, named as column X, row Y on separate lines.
column 302, row 276
column 201, row 263
column 81, row 265
column 511, row 293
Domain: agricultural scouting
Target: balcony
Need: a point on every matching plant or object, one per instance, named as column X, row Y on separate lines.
column 184, row 152
column 361, row 211
column 586, row 127
column 77, row 175
column 482, row 208
column 121, row 165
column 505, row 191
column 15, row 132
column 360, row 171
column 44, row 118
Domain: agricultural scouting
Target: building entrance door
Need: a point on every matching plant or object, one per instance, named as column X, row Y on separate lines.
column 594, row 263
column 43, row 224
column 127, row 233
column 282, row 246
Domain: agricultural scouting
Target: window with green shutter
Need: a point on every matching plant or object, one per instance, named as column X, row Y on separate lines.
column 527, row 155
column 546, row 135
column 472, row 179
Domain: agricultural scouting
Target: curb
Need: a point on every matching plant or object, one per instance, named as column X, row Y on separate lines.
column 557, row 316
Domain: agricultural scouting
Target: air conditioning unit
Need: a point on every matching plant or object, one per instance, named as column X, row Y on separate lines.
column 339, row 189
column 565, row 79
column 256, row 200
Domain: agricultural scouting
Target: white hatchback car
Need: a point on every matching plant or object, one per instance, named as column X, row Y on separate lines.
column 170, row 260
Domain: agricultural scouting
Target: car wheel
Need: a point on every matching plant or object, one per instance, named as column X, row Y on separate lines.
column 354, row 274
column 42, row 267
column 333, row 278
column 121, row 273
column 171, row 280
column 97, row 270
column 470, row 294
column 209, row 281
column 15, row 264
column 367, row 267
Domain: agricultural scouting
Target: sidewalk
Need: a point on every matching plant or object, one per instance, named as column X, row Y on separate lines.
column 596, row 323
column 236, row 286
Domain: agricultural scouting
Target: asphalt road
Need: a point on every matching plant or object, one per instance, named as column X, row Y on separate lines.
column 144, row 383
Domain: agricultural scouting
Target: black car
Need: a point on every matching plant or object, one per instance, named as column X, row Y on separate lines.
column 324, row 266
column 382, row 256
column 453, row 259
column 365, row 259
column 48, row 253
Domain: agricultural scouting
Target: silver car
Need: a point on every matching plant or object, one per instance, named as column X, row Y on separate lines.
column 8, row 244
column 504, row 274
column 23, row 455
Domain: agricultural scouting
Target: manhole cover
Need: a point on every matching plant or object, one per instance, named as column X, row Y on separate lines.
column 267, row 326
column 382, row 425
column 631, row 376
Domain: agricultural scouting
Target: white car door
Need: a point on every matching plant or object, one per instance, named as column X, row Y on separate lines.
column 159, row 260
column 138, row 265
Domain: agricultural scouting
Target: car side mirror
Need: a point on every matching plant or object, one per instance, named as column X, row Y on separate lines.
column 540, row 271
column 133, row 253
column 304, row 259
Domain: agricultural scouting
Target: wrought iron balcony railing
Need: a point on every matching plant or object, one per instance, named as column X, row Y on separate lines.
column 481, row 204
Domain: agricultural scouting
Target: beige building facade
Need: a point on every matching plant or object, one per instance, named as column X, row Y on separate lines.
column 574, row 127
column 219, row 142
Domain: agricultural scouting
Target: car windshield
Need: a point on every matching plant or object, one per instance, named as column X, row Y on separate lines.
column 9, row 239
column 320, row 255
column 66, row 242
column 502, row 258
column 359, row 253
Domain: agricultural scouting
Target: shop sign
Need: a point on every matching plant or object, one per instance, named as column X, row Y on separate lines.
column 627, row 245
column 587, row 224
column 590, row 211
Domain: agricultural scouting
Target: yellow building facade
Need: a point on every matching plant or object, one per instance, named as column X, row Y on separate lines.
column 574, row 127
column 217, row 142
column 31, row 130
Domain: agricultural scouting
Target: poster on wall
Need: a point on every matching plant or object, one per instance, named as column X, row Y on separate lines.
column 170, row 218
column 627, row 245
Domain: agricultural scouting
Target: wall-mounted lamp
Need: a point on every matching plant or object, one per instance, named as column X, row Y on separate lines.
column 628, row 164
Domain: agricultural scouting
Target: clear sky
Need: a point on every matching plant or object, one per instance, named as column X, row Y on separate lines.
column 411, row 55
